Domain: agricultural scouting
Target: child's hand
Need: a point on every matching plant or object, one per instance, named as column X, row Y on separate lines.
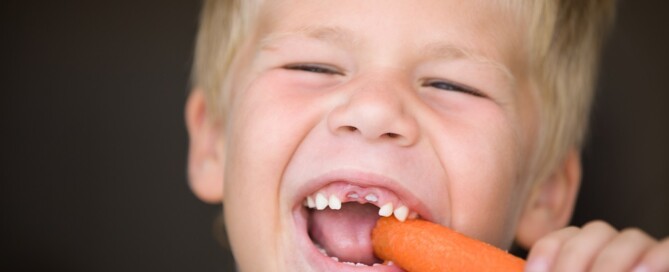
column 599, row 247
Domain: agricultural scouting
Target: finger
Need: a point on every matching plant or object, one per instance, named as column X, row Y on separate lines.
column 656, row 259
column 544, row 251
column 625, row 250
column 578, row 253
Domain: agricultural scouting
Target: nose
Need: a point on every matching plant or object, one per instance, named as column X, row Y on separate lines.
column 376, row 111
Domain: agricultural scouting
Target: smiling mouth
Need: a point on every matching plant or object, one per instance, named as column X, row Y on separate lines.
column 340, row 217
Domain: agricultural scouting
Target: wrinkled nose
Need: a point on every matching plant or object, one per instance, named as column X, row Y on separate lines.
column 376, row 111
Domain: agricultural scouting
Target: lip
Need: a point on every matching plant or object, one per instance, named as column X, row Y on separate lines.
column 358, row 178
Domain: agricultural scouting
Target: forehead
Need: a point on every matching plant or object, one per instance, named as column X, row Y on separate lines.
column 487, row 30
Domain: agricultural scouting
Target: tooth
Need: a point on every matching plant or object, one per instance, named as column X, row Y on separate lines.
column 353, row 196
column 376, row 264
column 401, row 213
column 321, row 202
column 390, row 263
column 386, row 210
column 321, row 249
column 360, row 264
column 349, row 263
column 335, row 259
column 334, row 202
column 413, row 215
column 371, row 198
column 310, row 202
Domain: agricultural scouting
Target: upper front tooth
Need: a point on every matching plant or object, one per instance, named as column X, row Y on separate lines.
column 321, row 201
column 310, row 202
column 371, row 198
column 401, row 213
column 334, row 202
column 386, row 210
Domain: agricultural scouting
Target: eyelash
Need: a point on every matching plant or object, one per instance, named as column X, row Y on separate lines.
column 313, row 68
column 442, row 85
column 447, row 86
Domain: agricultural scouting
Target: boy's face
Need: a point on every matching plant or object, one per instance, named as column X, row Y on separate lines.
column 418, row 105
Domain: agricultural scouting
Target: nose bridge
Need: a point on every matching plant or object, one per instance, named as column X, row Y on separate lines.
column 375, row 107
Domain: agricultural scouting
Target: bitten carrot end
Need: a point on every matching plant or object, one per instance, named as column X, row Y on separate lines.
column 418, row 246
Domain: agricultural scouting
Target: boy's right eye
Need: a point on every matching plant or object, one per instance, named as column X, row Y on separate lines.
column 314, row 68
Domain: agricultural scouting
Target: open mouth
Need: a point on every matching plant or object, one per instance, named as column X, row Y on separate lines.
column 339, row 218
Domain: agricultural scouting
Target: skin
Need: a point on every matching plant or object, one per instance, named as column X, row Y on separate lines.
column 319, row 89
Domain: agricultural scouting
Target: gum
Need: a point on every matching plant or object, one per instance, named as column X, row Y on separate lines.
column 347, row 192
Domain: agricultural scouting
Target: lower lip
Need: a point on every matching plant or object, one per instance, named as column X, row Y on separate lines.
column 324, row 263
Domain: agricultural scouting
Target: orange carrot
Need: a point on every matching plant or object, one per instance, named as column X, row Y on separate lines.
column 419, row 246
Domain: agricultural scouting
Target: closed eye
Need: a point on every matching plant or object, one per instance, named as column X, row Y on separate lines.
column 447, row 86
column 314, row 68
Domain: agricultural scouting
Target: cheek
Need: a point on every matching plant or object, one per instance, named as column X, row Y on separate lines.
column 268, row 120
column 482, row 159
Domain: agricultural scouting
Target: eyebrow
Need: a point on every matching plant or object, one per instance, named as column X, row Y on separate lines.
column 335, row 35
column 452, row 51
column 345, row 38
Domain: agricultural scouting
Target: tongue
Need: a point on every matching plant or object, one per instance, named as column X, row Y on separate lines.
column 346, row 233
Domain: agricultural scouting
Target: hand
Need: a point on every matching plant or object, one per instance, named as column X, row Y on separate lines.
column 599, row 247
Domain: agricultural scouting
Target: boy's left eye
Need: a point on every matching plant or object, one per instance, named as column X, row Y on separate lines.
column 314, row 68
column 447, row 86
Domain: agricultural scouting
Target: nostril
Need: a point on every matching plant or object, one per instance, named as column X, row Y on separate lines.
column 392, row 135
column 350, row 128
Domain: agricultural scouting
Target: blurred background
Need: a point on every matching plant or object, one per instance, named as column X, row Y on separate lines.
column 94, row 146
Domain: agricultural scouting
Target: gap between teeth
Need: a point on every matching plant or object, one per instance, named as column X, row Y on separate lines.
column 333, row 202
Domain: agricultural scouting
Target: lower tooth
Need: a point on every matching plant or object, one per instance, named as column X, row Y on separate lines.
column 321, row 249
column 335, row 259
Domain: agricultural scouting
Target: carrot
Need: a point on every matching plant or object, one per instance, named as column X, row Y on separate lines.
column 418, row 246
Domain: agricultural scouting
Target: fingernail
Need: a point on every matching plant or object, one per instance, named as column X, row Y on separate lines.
column 536, row 265
column 640, row 268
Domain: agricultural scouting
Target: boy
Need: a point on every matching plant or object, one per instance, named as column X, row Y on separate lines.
column 310, row 119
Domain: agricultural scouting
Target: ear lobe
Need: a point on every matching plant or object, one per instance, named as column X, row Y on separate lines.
column 551, row 201
column 206, row 157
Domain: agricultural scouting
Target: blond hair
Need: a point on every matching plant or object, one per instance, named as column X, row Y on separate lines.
column 566, row 38
column 224, row 24
column 564, row 41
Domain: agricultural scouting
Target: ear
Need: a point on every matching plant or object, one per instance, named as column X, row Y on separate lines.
column 551, row 201
column 206, row 157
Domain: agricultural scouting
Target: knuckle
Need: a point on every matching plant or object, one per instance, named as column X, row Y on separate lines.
column 547, row 243
column 572, row 246
column 597, row 224
column 612, row 253
column 633, row 233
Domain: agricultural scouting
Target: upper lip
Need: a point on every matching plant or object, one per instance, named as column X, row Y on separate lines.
column 365, row 179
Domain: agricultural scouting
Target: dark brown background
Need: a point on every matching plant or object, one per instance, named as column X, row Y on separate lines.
column 94, row 147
